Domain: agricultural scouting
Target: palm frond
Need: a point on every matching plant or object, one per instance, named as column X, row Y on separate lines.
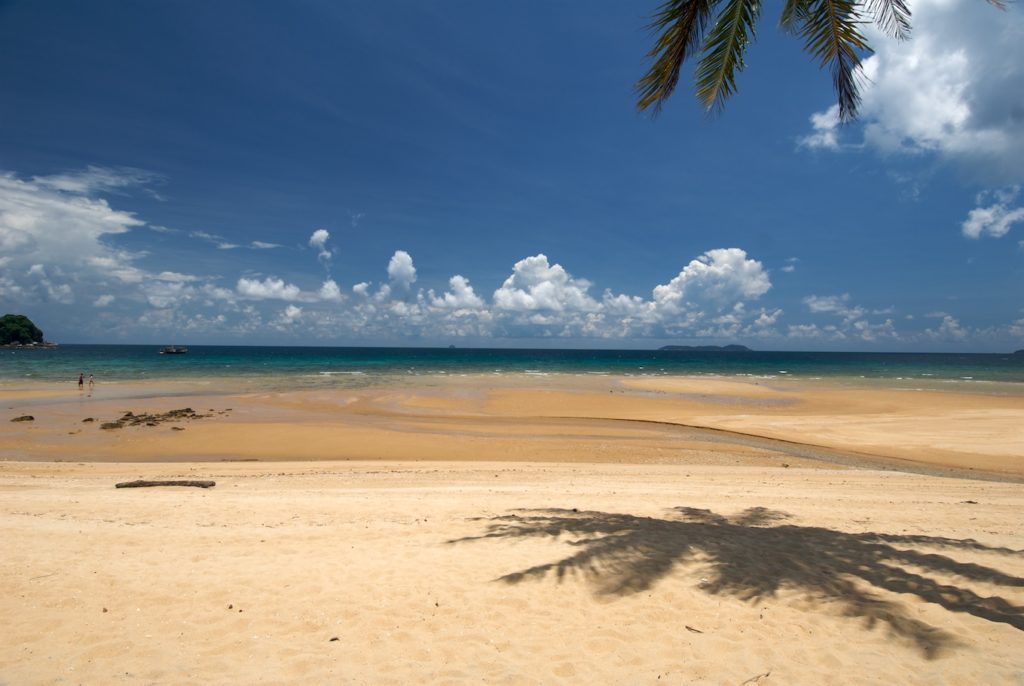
column 723, row 52
column 892, row 16
column 681, row 24
column 831, row 29
column 791, row 14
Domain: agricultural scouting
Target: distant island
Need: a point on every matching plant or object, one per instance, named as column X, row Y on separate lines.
column 707, row 348
column 18, row 331
column 1019, row 352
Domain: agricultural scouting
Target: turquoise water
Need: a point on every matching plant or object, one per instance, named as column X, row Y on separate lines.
column 345, row 366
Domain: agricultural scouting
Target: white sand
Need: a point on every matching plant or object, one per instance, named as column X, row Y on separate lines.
column 843, row 577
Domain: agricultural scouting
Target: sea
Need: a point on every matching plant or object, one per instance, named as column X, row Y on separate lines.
column 299, row 367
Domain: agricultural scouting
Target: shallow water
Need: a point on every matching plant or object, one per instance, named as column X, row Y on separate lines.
column 304, row 367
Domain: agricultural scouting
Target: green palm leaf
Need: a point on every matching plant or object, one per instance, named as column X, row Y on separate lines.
column 831, row 29
column 723, row 52
column 892, row 16
column 791, row 15
column 682, row 24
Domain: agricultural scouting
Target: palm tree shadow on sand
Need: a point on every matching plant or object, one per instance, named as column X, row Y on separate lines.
column 753, row 555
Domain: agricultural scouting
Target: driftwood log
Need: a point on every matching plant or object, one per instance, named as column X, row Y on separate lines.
column 143, row 483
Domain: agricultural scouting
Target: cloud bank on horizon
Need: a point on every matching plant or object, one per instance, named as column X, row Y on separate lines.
column 57, row 238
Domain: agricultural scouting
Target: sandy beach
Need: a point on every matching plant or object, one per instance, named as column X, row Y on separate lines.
column 515, row 530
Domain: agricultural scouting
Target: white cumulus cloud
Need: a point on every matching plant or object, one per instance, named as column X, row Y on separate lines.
column 460, row 296
column 274, row 288
column 41, row 223
column 837, row 304
column 270, row 288
column 955, row 89
column 319, row 241
column 330, row 292
column 401, row 270
column 537, row 285
column 854, row 321
column 949, row 329
column 55, row 236
column 825, row 134
column 718, row 277
column 996, row 216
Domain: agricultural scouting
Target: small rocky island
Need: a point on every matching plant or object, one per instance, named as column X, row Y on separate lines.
column 707, row 348
column 18, row 331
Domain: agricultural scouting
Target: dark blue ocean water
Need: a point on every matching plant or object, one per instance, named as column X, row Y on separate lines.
column 142, row 362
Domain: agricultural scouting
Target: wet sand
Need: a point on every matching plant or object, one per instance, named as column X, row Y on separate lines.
column 670, row 420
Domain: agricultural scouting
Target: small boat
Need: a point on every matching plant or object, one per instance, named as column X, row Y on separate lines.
column 173, row 350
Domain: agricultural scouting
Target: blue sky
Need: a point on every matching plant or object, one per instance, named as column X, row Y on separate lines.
column 409, row 173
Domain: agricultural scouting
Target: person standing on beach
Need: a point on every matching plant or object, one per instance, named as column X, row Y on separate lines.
column 92, row 383
column 81, row 380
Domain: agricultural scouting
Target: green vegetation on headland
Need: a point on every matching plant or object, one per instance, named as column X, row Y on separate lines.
column 18, row 330
column 707, row 348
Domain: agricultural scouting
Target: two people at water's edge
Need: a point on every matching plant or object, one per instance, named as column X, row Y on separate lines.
column 81, row 381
